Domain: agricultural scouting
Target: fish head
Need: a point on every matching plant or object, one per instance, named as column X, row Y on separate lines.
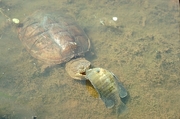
column 95, row 72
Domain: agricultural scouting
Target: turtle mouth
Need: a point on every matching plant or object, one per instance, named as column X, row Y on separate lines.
column 83, row 73
column 85, row 70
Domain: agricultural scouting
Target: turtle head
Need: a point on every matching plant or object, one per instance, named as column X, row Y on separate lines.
column 76, row 68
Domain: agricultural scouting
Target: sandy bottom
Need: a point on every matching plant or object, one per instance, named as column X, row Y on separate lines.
column 142, row 48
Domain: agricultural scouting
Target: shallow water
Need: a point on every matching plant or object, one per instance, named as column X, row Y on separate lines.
column 142, row 48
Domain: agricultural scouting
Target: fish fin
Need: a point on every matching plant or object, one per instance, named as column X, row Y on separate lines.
column 122, row 90
column 108, row 102
column 121, row 108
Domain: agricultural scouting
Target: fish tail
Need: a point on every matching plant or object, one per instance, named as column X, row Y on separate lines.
column 121, row 108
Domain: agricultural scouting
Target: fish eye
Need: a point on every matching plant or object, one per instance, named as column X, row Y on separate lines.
column 98, row 71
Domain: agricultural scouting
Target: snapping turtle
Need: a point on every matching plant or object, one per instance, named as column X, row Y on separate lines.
column 54, row 39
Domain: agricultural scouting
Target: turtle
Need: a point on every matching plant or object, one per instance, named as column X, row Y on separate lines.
column 56, row 39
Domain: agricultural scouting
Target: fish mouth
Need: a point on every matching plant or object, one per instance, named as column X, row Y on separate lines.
column 87, row 71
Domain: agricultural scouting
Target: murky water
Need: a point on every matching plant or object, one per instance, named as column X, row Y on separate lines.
column 142, row 48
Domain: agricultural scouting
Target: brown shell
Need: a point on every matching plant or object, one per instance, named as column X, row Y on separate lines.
column 52, row 38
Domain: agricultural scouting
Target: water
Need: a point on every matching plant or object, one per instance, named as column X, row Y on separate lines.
column 141, row 48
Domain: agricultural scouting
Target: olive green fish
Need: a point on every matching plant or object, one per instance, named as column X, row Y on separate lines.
column 109, row 89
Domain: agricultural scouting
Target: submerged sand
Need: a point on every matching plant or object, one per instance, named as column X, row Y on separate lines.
column 142, row 48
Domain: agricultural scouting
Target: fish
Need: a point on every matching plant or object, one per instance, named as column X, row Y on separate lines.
column 109, row 89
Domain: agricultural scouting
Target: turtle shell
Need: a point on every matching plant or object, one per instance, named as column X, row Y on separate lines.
column 52, row 38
